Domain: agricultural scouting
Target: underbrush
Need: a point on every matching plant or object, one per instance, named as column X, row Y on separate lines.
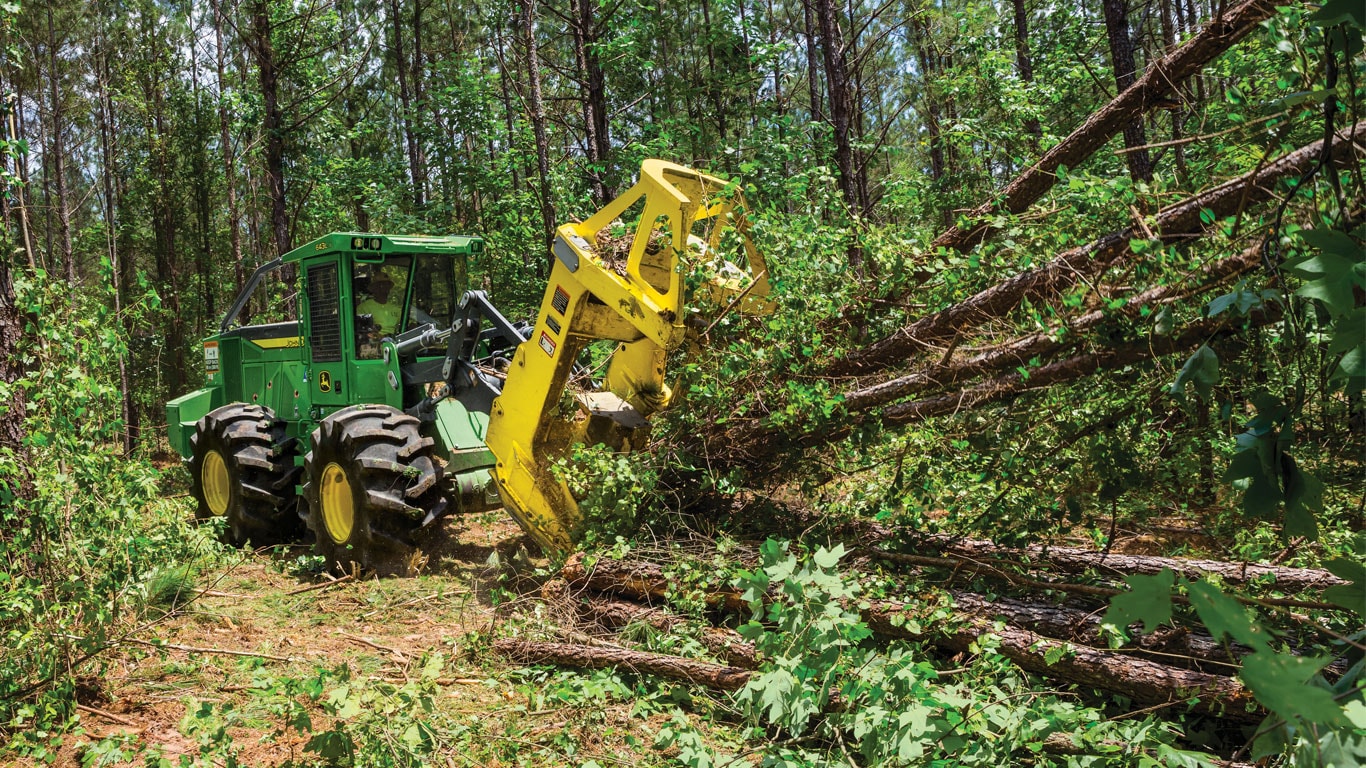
column 94, row 551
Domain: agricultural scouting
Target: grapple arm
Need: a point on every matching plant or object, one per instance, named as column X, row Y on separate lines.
column 627, row 288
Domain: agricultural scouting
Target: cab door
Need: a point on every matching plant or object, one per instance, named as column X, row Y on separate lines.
column 329, row 328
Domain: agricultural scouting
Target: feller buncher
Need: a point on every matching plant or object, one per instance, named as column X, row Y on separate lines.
column 398, row 396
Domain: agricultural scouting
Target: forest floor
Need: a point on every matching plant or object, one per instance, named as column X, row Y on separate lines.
column 265, row 641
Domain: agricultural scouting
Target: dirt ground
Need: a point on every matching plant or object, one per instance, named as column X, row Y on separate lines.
column 265, row 619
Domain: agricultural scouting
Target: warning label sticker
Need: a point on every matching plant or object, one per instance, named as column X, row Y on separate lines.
column 211, row 357
column 547, row 344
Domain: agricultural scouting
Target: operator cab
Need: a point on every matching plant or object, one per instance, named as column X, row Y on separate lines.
column 400, row 293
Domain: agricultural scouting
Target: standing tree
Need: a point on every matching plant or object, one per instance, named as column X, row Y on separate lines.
column 1126, row 72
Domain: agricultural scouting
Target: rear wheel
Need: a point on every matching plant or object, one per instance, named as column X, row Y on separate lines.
column 242, row 469
column 372, row 483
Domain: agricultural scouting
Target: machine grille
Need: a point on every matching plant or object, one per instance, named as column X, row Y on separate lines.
column 324, row 314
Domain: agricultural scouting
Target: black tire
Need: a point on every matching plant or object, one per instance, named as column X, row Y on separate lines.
column 372, row 481
column 242, row 468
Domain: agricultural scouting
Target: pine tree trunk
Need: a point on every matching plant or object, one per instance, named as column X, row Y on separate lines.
column 273, row 125
column 1025, row 66
column 229, row 160
column 537, row 106
column 105, row 115
column 11, row 371
column 809, row 33
column 406, row 100
column 597, row 142
column 57, row 117
column 841, row 117
column 1122, row 57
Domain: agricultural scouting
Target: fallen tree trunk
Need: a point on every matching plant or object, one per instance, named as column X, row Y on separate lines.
column 594, row 657
column 1176, row 646
column 1174, row 222
column 1145, row 682
column 754, row 446
column 1160, row 79
column 1076, row 560
column 1045, row 344
column 1063, row 371
column 724, row 644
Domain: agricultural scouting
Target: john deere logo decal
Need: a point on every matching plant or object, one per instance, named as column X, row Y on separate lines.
column 324, row 381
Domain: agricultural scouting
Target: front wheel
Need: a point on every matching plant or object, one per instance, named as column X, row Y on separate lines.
column 372, row 482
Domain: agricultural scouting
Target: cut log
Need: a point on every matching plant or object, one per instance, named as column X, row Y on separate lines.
column 1145, row 682
column 1160, row 79
column 1077, row 560
column 725, row 644
column 1062, row 371
column 1175, row 222
column 1045, row 344
column 1177, row 646
column 639, row 580
column 593, row 657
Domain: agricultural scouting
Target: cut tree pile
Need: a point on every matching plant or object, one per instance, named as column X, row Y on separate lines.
column 1060, row 640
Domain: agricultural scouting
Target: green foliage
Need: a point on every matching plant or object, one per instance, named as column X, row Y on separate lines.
column 613, row 489
column 1289, row 684
column 1268, row 474
column 1333, row 270
column 94, row 547
column 828, row 694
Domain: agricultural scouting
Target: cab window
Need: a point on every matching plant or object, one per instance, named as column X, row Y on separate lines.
column 379, row 291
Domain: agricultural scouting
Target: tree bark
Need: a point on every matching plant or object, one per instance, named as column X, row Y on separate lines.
column 1044, row 344
column 13, row 411
column 597, row 139
column 842, row 107
column 1122, row 59
column 537, row 106
column 262, row 46
column 1025, row 67
column 725, row 644
column 105, row 116
column 1074, row 560
column 1174, row 223
column 415, row 171
column 1062, row 371
column 809, row 33
column 229, row 160
column 57, row 116
column 1145, row 682
column 1158, row 81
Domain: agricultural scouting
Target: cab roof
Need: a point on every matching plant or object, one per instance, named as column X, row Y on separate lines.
column 375, row 243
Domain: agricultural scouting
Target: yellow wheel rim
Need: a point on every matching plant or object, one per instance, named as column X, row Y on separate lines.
column 339, row 510
column 213, row 475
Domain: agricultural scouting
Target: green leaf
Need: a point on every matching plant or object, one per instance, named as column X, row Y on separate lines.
column 1261, row 498
column 1223, row 615
column 828, row 558
column 1201, row 371
column 1278, row 680
column 1351, row 596
column 1149, row 600
column 1303, row 500
column 1244, row 464
column 1335, row 12
column 1331, row 241
column 1335, row 293
column 1164, row 322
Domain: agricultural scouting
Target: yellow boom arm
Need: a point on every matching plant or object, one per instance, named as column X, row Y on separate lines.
column 600, row 290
